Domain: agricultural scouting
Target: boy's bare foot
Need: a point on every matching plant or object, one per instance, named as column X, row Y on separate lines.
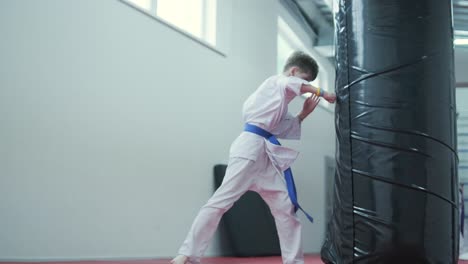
column 181, row 259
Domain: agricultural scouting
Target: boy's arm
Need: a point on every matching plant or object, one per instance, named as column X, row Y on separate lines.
column 307, row 88
column 302, row 115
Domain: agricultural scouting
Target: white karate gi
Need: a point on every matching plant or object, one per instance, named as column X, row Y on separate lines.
column 256, row 164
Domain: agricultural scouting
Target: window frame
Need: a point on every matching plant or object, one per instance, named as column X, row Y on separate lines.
column 152, row 14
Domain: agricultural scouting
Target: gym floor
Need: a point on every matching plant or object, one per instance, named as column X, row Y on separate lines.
column 310, row 259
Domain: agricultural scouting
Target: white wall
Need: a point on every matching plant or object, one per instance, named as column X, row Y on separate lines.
column 111, row 123
column 461, row 76
column 461, row 64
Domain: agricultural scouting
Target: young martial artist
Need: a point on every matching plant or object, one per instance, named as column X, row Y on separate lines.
column 257, row 161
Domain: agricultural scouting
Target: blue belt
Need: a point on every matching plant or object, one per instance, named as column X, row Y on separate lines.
column 287, row 173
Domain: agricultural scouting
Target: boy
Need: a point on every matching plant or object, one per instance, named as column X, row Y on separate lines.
column 256, row 161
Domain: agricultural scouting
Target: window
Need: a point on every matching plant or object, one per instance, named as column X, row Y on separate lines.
column 195, row 17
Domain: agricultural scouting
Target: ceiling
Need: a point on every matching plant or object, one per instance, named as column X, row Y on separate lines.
column 319, row 16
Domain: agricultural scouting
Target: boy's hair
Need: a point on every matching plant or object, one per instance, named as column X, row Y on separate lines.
column 305, row 62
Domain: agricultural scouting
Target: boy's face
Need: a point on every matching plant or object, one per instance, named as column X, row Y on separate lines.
column 298, row 73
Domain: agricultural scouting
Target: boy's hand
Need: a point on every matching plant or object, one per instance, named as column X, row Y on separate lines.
column 330, row 97
column 309, row 106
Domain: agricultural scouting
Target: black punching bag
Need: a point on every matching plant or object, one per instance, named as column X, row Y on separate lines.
column 396, row 196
